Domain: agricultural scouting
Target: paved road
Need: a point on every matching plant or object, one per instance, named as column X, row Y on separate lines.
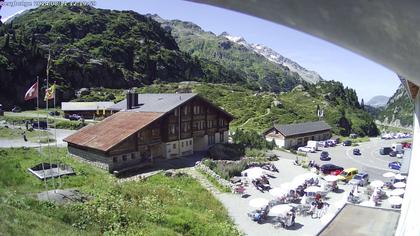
column 61, row 134
column 370, row 161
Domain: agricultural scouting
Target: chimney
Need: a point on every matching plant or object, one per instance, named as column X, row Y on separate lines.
column 129, row 100
column 135, row 99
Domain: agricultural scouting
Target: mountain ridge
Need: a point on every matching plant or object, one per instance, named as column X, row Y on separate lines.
column 272, row 55
column 378, row 101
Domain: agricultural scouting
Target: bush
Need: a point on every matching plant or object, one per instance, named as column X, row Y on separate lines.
column 226, row 152
column 251, row 139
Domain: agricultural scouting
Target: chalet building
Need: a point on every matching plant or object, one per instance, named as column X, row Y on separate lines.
column 297, row 135
column 147, row 127
column 87, row 110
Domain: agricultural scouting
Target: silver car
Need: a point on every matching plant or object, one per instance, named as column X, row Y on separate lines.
column 361, row 179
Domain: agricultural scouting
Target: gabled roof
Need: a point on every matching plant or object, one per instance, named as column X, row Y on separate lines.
column 156, row 102
column 113, row 130
column 85, row 106
column 302, row 128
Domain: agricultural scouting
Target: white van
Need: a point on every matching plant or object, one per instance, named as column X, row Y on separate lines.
column 397, row 147
column 312, row 144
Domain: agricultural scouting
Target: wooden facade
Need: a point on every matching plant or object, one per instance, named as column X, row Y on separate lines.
column 193, row 126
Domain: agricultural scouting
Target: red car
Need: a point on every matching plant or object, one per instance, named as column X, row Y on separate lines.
column 406, row 145
column 331, row 169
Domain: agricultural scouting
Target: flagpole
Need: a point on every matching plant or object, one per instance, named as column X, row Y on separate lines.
column 47, row 99
column 39, row 134
column 55, row 135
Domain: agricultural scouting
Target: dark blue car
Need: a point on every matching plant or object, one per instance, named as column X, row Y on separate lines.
column 325, row 156
column 396, row 165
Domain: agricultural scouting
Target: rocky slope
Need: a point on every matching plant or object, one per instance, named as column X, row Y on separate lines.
column 307, row 75
column 399, row 110
column 262, row 68
column 378, row 101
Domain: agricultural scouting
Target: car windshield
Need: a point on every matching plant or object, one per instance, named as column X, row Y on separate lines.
column 358, row 177
column 344, row 173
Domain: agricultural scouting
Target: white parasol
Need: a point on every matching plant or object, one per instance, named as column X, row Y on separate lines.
column 289, row 186
column 397, row 192
column 279, row 210
column 389, row 175
column 377, row 183
column 368, row 203
column 278, row 192
column 258, row 202
column 399, row 177
column 254, row 172
column 399, row 185
column 395, row 200
column 313, row 189
column 331, row 178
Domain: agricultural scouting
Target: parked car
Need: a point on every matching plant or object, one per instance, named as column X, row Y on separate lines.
column 347, row 174
column 325, row 156
column 393, row 154
column 361, row 179
column 323, row 144
column 54, row 113
column 74, row 117
column 395, row 165
column 306, row 149
column 331, row 142
column 357, row 152
column 347, row 143
column 406, row 145
column 385, row 150
column 331, row 169
column 16, row 109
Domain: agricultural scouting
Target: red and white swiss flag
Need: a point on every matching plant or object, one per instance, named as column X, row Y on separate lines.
column 32, row 92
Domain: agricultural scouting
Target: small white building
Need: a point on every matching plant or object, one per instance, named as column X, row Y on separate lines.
column 297, row 135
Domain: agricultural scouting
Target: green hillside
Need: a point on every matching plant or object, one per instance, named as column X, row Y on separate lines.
column 399, row 109
column 93, row 48
column 255, row 110
column 257, row 71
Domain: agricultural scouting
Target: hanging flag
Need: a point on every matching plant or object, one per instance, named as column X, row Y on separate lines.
column 32, row 92
column 50, row 93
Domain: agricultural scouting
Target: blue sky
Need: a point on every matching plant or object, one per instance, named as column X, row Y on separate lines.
column 330, row 61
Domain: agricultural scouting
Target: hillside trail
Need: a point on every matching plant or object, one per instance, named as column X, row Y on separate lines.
column 253, row 118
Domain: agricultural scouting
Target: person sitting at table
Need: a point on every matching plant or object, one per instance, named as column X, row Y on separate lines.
column 312, row 209
column 264, row 180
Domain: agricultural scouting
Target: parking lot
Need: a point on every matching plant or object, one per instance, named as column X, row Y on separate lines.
column 370, row 161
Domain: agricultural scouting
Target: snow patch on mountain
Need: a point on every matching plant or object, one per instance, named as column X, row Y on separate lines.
column 307, row 75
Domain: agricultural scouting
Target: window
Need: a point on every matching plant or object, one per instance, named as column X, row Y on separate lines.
column 115, row 159
column 190, row 142
column 172, row 129
column 174, row 146
column 222, row 137
column 133, row 156
column 124, row 157
column 182, row 144
column 141, row 136
column 186, row 110
column 155, row 132
column 211, row 139
column 197, row 110
column 186, row 126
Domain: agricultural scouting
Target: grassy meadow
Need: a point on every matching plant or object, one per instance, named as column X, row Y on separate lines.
column 159, row 205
